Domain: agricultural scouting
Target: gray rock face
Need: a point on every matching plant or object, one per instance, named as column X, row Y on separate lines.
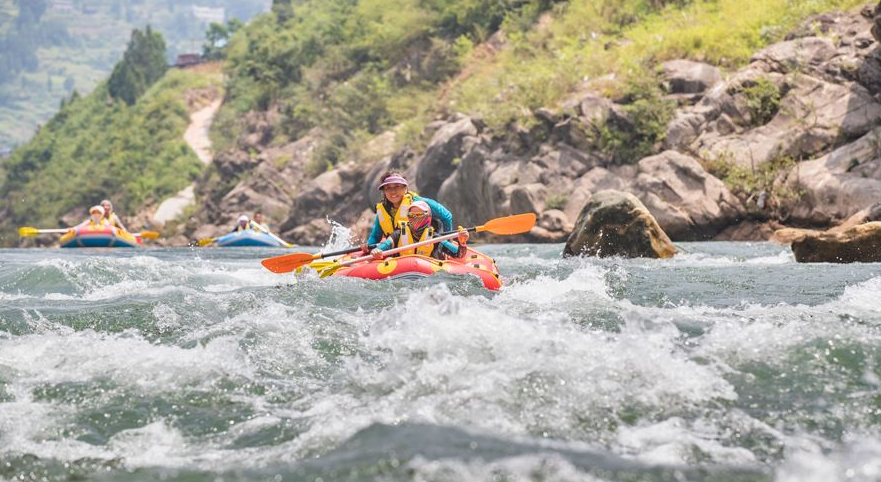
column 689, row 77
column 615, row 223
column 449, row 143
column 837, row 185
column 687, row 202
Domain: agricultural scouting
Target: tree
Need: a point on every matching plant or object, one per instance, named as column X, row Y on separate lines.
column 142, row 64
column 217, row 36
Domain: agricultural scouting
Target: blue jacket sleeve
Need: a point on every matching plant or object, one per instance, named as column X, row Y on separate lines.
column 451, row 246
column 375, row 233
column 439, row 211
column 387, row 244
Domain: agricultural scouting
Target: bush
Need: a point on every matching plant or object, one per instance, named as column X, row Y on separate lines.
column 762, row 101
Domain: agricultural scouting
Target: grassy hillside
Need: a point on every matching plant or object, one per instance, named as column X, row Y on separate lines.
column 94, row 148
column 358, row 67
column 77, row 49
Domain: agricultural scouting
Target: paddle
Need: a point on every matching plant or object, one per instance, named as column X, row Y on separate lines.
column 289, row 262
column 516, row 224
column 29, row 231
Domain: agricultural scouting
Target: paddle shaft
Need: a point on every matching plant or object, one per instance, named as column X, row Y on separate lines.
column 53, row 231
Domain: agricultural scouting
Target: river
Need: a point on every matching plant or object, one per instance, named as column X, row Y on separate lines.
column 730, row 362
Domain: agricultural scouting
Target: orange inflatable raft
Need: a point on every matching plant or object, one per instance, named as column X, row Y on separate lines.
column 415, row 266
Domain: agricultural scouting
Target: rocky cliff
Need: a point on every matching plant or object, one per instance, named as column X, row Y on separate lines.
column 793, row 138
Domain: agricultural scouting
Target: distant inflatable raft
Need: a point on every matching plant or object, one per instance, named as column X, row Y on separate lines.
column 99, row 237
column 247, row 238
column 415, row 267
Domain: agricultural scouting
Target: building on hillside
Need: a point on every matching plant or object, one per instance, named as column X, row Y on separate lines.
column 209, row 14
column 188, row 60
column 61, row 6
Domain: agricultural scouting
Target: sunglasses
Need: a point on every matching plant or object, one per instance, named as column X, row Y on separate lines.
column 415, row 215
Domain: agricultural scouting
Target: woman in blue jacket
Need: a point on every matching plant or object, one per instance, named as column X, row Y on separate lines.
column 394, row 205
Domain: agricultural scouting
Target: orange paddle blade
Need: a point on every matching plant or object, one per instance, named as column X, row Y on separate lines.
column 516, row 224
column 288, row 262
column 149, row 234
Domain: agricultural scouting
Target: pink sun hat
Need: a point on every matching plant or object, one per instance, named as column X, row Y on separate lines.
column 395, row 179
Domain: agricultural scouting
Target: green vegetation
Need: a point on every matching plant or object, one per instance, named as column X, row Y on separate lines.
column 77, row 49
column 355, row 68
column 141, row 66
column 762, row 100
column 646, row 113
column 590, row 39
column 748, row 184
column 94, row 148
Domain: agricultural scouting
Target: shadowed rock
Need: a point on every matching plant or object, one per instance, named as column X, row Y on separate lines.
column 860, row 244
column 615, row 223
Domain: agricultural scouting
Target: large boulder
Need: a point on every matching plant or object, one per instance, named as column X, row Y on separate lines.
column 860, row 244
column 689, row 77
column 837, row 185
column 689, row 203
column 615, row 223
column 445, row 150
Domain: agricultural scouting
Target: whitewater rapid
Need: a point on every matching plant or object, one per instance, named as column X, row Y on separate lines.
column 729, row 362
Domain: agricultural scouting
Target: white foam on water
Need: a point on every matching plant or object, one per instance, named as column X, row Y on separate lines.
column 524, row 468
column 126, row 358
column 587, row 279
column 674, row 441
column 706, row 260
column 442, row 359
column 863, row 297
column 857, row 460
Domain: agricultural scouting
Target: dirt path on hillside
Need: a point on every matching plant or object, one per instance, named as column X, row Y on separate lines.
column 197, row 137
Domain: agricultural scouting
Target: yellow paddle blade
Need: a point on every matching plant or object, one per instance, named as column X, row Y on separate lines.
column 288, row 262
column 205, row 242
column 322, row 265
column 28, row 231
column 329, row 270
column 516, row 224
column 149, row 235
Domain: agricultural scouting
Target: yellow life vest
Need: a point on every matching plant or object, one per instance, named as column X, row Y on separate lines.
column 388, row 222
column 407, row 238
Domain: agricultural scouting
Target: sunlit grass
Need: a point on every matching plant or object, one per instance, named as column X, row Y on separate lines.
column 586, row 41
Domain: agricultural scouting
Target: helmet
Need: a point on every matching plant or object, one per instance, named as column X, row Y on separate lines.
column 243, row 219
column 96, row 209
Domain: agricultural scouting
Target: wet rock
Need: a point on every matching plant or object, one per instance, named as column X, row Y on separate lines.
column 615, row 223
column 860, row 244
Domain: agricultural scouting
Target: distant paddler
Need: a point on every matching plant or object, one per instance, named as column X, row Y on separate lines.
column 97, row 221
column 111, row 216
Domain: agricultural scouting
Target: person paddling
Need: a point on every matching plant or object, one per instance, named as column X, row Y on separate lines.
column 96, row 219
column 243, row 223
column 110, row 215
column 421, row 227
column 257, row 223
column 393, row 207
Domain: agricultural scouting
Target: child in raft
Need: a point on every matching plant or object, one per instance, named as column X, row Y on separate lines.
column 419, row 227
column 96, row 219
